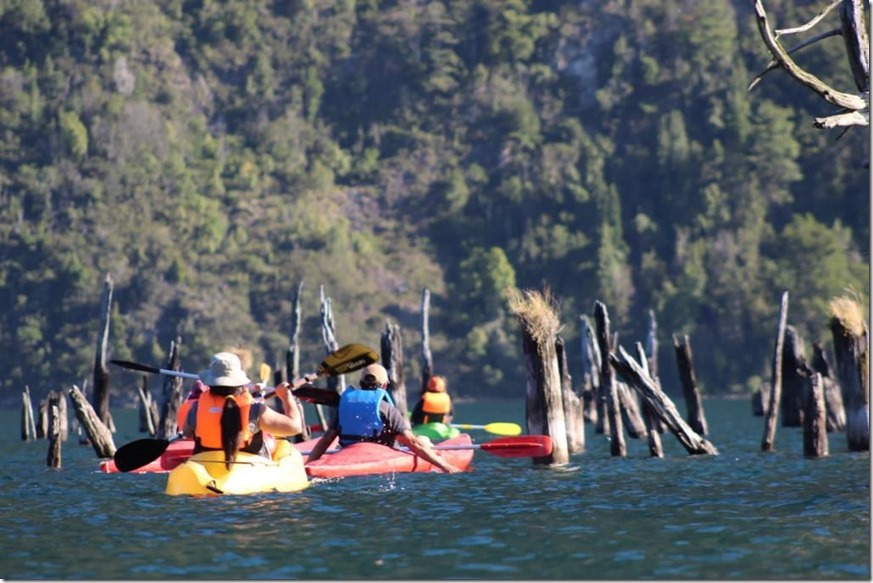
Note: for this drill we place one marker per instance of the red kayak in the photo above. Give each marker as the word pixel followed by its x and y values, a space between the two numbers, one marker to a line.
pixel 361 459
pixel 177 452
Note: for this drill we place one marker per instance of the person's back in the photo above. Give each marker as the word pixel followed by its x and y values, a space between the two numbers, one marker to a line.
pixel 435 404
pixel 369 414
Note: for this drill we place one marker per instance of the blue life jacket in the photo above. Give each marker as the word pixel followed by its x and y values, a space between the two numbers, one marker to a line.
pixel 359 418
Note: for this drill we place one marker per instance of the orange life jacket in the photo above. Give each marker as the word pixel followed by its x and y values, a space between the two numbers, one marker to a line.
pixel 435 406
pixel 208 428
pixel 183 413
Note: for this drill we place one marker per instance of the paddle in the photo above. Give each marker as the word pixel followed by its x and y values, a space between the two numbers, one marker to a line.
pixel 136 454
pixel 522 446
pixel 497 428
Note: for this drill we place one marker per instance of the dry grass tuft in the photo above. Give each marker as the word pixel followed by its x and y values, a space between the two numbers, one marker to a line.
pixel 537 313
pixel 848 311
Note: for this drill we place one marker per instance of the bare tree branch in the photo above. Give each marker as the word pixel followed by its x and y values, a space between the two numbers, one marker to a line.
pixel 855 109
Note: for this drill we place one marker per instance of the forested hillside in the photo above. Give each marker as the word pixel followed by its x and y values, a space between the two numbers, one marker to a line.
pixel 210 155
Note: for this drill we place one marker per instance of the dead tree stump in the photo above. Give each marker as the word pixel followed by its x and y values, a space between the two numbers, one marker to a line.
pixel 573 414
pixel 544 404
pixel 815 435
pixel 292 365
pixel 653 423
pixel 171 395
pixel 391 345
pixel 836 411
pixel 28 425
pixel 100 394
pixel 617 445
pixel 98 434
pixel 849 332
pixel 795 379
pixel 693 402
pixel 662 406
pixel 630 411
pixel 590 374
pixel 53 457
pixel 776 388
pixel 426 356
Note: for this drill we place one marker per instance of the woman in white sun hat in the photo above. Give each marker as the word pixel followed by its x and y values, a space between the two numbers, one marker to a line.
pixel 226 417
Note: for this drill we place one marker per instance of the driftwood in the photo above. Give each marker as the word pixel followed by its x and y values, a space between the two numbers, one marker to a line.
pixel 693 402
pixel 634 375
pixel 391 345
pixel 651 420
pixel 544 404
pixel 53 457
pixel 42 413
pixel 98 434
pixel 573 417
pixel 100 395
pixel 776 387
pixel 815 435
pixel 28 425
pixel 617 446
pixel 854 110
pixel 850 350
pixel 836 412
pixel 426 356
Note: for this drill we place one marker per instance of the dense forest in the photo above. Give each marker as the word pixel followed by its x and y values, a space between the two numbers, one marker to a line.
pixel 211 155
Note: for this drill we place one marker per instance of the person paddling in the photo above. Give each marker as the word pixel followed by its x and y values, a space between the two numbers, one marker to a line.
pixel 368 414
pixel 227 417
pixel 435 404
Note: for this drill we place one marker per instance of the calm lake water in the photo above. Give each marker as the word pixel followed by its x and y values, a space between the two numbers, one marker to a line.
pixel 740 515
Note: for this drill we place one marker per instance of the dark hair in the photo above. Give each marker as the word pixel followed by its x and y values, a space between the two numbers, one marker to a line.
pixel 231 424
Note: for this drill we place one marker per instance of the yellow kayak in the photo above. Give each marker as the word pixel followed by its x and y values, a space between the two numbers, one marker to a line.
pixel 205 474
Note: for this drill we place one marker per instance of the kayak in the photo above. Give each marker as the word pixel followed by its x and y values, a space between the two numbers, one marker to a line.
pixel 176 453
pixel 205 474
pixel 362 459
pixel 436 431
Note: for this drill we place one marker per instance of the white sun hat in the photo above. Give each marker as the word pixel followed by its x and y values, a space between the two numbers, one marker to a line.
pixel 225 370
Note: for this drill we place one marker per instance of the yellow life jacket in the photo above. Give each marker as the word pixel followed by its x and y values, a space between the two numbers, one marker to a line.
pixel 435 406
pixel 208 428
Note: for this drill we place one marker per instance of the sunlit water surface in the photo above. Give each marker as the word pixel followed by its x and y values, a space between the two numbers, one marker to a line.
pixel 740 515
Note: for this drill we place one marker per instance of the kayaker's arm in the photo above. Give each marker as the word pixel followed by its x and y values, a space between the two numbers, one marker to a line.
pixel 287 424
pixel 322 444
pixel 423 450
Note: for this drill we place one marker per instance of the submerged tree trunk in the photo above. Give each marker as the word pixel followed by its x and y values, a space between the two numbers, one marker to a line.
pixel 617 445
pixel 776 388
pixel 391 344
pixel 693 402
pixel 815 435
pixel 98 434
pixel 100 395
pixel 426 356
pixel 574 418
pixel 836 411
pixel 662 406
pixel 852 359
pixel 653 423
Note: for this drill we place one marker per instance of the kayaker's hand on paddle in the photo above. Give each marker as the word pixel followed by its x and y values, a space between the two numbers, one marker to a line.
pixel 424 450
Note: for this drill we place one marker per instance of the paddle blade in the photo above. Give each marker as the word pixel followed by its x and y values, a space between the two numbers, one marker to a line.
pixel 136 454
pixel 497 428
pixel 317 396
pixel 348 358
pixel 265 372
pixel 134 366
pixel 523 446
